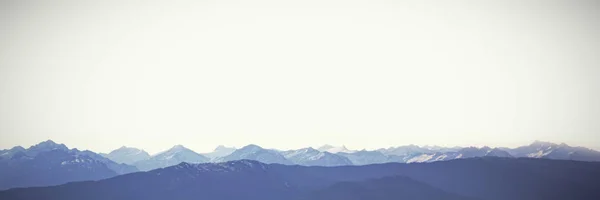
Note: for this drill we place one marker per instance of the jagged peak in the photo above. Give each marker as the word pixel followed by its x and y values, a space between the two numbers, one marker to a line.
pixel 48 144
pixel 17 148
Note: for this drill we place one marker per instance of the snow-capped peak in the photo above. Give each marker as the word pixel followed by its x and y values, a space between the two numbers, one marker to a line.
pixel 178 147
pixel 333 149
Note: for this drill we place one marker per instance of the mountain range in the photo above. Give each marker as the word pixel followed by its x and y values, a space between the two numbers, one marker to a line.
pixel 328 155
pixel 49 163
pixel 549 150
pixel 483 178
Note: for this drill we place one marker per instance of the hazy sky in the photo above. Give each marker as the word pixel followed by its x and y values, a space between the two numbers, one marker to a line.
pixel 294 73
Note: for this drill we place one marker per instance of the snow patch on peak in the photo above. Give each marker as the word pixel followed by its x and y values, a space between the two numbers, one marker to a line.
pixel 178 147
pixel 224 167
pixel 421 158
pixel 333 149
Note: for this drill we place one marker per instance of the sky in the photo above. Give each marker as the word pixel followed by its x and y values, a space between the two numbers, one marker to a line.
pixel 295 73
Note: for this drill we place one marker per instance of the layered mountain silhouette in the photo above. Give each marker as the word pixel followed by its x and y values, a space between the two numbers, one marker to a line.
pixel 328 155
pixel 486 178
pixel 49 163
pixel 34 166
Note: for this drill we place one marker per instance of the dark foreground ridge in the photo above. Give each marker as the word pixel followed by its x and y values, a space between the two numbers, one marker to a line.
pixel 488 178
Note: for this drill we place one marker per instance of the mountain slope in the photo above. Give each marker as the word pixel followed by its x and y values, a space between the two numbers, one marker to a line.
pixel 549 150
pixel 468 152
pixel 49 163
pixel 119 168
pixel 9 153
pixel 365 157
pixel 387 188
pixel 175 155
pixel 51 168
pixel 334 149
pixel 219 152
pixel 405 150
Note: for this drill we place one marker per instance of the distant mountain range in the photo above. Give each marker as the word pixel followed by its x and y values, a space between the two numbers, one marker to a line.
pixel 549 150
pixel 18 165
pixel 485 178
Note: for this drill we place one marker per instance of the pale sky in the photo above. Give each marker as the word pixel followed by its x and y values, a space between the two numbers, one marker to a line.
pixel 295 73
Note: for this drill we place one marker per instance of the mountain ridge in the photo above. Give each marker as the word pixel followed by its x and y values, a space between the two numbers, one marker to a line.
pixel 492 178
pixel 50 163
